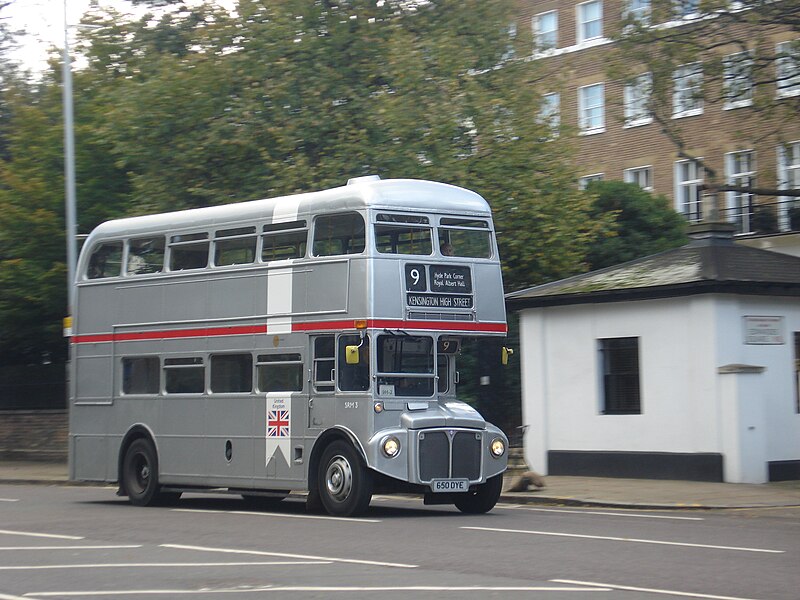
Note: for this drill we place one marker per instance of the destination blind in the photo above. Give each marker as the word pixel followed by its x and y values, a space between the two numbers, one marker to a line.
pixel 437 286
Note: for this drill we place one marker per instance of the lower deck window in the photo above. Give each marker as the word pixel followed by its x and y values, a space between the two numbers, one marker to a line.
pixel 231 373
pixel 619 362
pixel 140 375
pixel 280 372
pixel 184 375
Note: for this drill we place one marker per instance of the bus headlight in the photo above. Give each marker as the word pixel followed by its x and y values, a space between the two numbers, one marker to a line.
pixel 390 446
pixel 498 447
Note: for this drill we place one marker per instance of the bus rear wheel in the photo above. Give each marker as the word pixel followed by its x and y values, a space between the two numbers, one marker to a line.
pixel 344 482
pixel 483 499
pixel 140 475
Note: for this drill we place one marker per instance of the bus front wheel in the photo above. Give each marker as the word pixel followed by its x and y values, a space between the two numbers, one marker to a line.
pixel 344 482
pixel 140 475
pixel 483 499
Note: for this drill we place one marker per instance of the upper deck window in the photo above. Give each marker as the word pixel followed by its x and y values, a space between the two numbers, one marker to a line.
pixel 403 234
pixel 283 241
pixel 106 261
pixel 188 251
pixel 468 238
pixel 235 246
pixel 145 255
pixel 344 233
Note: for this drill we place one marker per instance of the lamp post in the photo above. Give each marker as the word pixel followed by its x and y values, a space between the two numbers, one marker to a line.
pixel 69 166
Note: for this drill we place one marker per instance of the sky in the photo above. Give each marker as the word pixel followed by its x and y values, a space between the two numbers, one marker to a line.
pixel 44 22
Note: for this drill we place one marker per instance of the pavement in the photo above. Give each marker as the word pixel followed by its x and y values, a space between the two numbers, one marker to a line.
pixel 558 490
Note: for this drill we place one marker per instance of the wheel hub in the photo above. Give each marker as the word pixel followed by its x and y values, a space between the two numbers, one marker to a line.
pixel 339 478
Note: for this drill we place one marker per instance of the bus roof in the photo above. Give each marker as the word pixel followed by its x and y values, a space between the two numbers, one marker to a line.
pixel 359 193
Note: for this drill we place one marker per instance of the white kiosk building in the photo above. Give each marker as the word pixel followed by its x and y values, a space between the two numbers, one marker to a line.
pixel 679 365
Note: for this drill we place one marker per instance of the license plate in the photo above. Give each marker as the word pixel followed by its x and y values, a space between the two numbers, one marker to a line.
pixel 450 485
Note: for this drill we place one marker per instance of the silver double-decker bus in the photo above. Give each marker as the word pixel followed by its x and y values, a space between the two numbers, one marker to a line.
pixel 307 342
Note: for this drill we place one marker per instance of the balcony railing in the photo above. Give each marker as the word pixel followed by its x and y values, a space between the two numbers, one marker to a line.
pixel 761 217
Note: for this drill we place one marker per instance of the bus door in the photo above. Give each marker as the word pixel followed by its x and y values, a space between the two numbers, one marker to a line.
pixel 228 419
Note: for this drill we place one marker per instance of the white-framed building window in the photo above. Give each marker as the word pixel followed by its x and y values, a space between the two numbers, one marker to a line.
pixel 638 11
pixel 510 52
pixel 590 20
pixel 591 108
pixel 637 98
pixel 550 112
pixel 686 8
pixel 787 69
pixel 688 179
pixel 641 176
pixel 584 181
pixel 545 31
pixel 788 179
pixel 738 80
pixel 687 96
pixel 740 171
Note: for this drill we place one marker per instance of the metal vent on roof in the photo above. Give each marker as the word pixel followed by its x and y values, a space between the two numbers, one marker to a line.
pixel 364 179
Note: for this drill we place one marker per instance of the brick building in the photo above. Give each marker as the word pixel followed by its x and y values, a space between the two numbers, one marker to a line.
pixel 617 139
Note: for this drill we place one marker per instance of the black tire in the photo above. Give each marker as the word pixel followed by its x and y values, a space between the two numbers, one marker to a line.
pixel 483 499
pixel 343 481
pixel 140 475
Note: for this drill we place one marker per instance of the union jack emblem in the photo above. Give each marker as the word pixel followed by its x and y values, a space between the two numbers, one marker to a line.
pixel 278 423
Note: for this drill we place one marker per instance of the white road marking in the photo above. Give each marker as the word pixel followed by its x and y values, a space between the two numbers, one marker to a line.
pixel 70 547
pixel 9 499
pixel 10 597
pixel 622 539
pixel 287 555
pixel 329 589
pixel 596 512
pixel 272 514
pixel 42 535
pixel 650 590
pixel 159 565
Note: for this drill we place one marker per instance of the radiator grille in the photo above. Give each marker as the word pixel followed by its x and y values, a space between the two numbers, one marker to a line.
pixel 436 450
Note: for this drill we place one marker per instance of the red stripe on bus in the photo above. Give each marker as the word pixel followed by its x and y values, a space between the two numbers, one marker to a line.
pixel 296 327
pixel 169 334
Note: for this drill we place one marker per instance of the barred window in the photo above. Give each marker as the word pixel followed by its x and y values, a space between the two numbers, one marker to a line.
pixel 188 251
pixel 184 375
pixel 235 246
pixel 619 363
pixel 280 372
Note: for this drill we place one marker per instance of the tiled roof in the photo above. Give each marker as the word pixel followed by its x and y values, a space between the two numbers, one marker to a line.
pixel 711 262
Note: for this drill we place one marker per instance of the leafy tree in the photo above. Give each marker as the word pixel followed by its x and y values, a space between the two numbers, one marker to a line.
pixel 642 224
pixel 730 43
pixel 195 107
pixel 293 95
pixel 33 275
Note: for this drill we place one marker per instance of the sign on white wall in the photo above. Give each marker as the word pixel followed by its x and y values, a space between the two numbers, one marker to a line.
pixel 764 330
